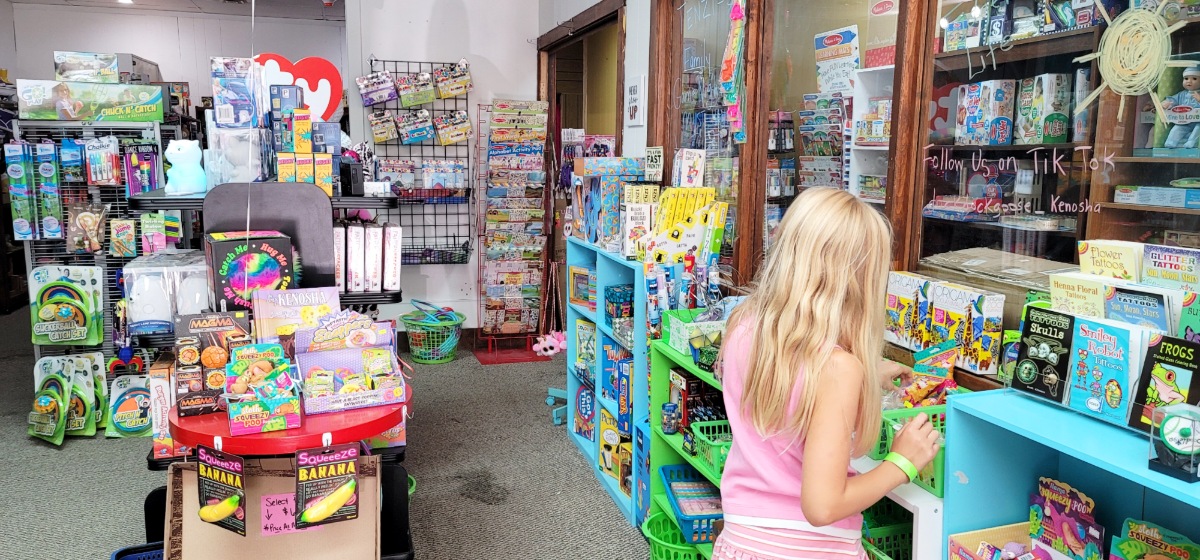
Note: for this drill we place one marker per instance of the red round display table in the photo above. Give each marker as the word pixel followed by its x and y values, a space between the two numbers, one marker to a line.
pixel 343 427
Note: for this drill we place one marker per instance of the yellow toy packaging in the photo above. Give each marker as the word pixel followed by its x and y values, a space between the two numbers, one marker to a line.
pixel 973 319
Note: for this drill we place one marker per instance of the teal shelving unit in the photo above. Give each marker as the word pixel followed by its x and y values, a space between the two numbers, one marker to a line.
pixel 611 270
pixel 1004 440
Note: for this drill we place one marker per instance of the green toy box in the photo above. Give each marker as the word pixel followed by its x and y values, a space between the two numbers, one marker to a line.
pixel 49 100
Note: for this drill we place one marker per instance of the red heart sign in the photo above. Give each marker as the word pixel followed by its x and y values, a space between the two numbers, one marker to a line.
pixel 319 78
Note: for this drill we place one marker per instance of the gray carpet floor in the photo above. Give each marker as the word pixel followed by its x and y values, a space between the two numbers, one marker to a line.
pixel 495 478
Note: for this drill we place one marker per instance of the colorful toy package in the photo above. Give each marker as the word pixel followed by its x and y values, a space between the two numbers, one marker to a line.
pixel 1043 358
pixel 97 68
pixel 278 314
pixel 221 489
pixel 350 364
pixel 453 127
pixel 202 347
pixel 909 318
pixel 50 205
pixel 972 318
pixel 162 398
pixel 326 485
pixel 1142 540
pixel 1170 375
pixel 18 162
pixel 415 89
pixel 81 403
pixel 1062 522
pixel 67 305
pixel 237 99
pixel 1043 103
pixel 50 100
pixel 52 378
pixel 129 407
pixel 376 87
pixel 1171 267
pixel 1104 354
pixel 454 79
pixel 260 393
pixel 243 262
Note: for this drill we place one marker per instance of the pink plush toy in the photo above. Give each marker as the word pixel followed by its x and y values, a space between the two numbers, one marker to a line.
pixel 550 344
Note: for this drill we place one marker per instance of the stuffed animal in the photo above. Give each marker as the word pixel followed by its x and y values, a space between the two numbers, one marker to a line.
pixel 185 175
pixel 550 344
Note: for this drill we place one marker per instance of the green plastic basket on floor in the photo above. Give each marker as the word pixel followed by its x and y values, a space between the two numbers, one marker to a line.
pixel 412 487
pixel 891 542
pixel 433 332
pixel 666 541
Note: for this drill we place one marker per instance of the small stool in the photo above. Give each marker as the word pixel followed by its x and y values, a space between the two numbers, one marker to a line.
pixel 559 414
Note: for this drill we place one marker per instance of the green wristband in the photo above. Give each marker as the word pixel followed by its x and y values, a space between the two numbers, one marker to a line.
pixel 904 464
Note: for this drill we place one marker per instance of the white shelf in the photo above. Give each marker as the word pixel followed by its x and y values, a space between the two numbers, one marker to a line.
pixel 925 507
pixel 877 69
pixel 870 148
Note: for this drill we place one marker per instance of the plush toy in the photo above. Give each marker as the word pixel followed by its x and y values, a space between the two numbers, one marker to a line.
pixel 550 344
pixel 185 175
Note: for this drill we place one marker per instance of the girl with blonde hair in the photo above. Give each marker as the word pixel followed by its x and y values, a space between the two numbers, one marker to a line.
pixel 803 380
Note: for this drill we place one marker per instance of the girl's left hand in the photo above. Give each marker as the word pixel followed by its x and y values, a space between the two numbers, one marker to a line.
pixel 890 371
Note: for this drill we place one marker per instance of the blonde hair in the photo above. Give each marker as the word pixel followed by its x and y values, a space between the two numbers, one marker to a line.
pixel 823 285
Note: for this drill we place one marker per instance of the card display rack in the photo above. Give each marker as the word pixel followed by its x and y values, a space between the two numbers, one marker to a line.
pixel 54 251
pixel 512 238
pixel 437 223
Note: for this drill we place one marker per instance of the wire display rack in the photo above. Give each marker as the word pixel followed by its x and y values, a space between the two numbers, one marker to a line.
pixel 437 223
pixel 512 263
pixel 54 252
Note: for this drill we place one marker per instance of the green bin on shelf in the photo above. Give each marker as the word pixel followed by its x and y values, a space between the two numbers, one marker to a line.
pixel 666 540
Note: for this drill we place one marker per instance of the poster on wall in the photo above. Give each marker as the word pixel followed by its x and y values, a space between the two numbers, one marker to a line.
pixel 837 59
pixel 319 78
pixel 635 102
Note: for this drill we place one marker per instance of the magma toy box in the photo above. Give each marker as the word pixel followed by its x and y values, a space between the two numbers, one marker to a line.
pixel 48 100
pixel 243 262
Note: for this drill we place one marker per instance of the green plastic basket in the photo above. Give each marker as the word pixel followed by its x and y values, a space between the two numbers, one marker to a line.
pixel 713 440
pixel 931 478
pixel 891 542
pixel 433 333
pixel 666 540
pixel 412 487
pixel 885 513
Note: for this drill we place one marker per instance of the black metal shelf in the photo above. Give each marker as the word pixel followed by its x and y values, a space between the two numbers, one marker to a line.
pixel 159 341
pixel 371 298
pixel 365 202
pixel 157 201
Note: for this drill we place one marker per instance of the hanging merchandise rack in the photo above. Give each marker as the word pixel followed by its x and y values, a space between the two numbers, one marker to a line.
pixel 513 222
pixel 437 222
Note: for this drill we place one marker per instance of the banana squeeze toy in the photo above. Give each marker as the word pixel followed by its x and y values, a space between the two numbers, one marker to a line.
pixel 220 510
pixel 328 505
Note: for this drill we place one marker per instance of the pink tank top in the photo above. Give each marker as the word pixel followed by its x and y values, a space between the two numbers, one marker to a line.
pixel 761 484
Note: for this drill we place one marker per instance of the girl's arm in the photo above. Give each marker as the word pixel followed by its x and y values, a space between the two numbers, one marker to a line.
pixel 829 493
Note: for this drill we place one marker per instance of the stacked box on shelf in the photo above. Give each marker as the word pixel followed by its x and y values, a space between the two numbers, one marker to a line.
pixel 514 240
pixel 596 200
pixel 820 141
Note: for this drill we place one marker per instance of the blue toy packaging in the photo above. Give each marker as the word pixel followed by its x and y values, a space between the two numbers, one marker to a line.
pixel 236 93
pixel 18 162
pixel 49 198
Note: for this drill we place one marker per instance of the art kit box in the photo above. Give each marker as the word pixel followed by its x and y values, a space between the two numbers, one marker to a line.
pixel 1177 268
pixel 202 347
pixel 1112 259
pixel 260 393
pixel 1105 357
pixel 50 100
pixel 909 313
pixel 278 314
pixel 241 263
pixel 96 68
pixel 985 113
pixel 973 318
pixel 1043 106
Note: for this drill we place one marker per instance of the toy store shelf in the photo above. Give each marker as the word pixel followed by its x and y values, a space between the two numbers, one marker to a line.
pixel 1033 48
pixel 998 226
pixel 1147 208
pixel 875 69
pixel 619 259
pixel 1069 147
pixel 676 443
pixel 869 148
pixel 1120 451
pixel 910 496
pixel 608 404
pixel 587 448
pixel 158 200
pixel 371 298
pixel 581 243
pixel 608 331
pixel 587 313
pixel 161 340
pixel 705 549
pixel 364 202
pixel 685 362
pixel 610 484
pixel 343 427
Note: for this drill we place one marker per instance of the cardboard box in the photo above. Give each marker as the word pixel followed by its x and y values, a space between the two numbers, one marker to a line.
pixel 241 262
pixel 304 168
pixel 96 68
pixel 162 398
pixel 1172 197
pixel 973 317
pixel 323 172
pixel 269 482
pixel 985 113
pixel 302 131
pixel 285 99
pixel 909 315
pixel 285 167
pixel 1043 106
pixel 49 100
pixel 202 346
pixel 327 138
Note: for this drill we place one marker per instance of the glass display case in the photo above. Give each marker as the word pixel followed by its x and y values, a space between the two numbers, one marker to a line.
pixel 830 100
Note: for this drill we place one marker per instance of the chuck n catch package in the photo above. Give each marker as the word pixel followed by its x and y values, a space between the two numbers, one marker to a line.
pixel 129 407
pixel 67 305
pixel 326 485
pixel 52 378
pixel 260 392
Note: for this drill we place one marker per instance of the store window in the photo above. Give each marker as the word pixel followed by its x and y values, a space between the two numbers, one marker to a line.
pixel 705 98
pixel 831 84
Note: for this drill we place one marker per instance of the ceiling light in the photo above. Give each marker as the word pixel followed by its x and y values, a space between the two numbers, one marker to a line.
pixel 124 1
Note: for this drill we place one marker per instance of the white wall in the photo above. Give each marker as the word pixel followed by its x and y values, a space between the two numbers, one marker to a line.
pixel 8 38
pixel 497 37
pixel 180 43
pixel 553 12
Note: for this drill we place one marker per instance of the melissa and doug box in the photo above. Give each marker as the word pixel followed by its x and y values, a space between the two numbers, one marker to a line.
pixel 243 262
pixel 985 113
pixel 260 392
pixel 202 347
pixel 972 318
pixel 1043 106
pixel 909 313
